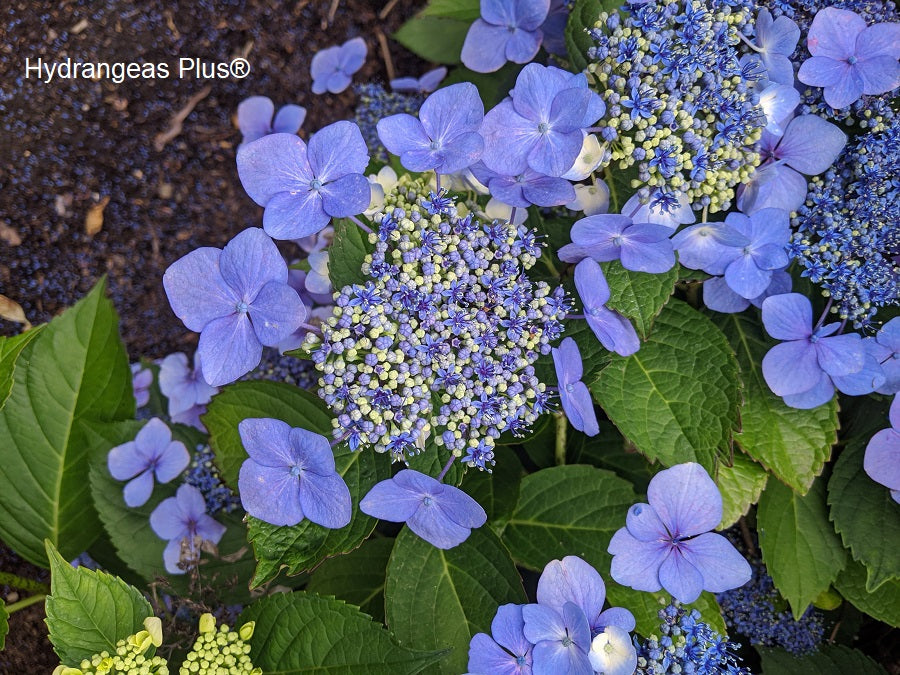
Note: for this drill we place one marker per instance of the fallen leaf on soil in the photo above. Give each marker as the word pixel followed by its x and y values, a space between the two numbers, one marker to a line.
pixel 93 222
pixel 12 311
pixel 9 235
pixel 178 119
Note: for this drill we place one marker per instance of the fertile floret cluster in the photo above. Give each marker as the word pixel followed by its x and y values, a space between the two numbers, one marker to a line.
pixel 846 236
pixel 686 645
pixel 130 656
pixel 204 476
pixel 376 103
pixel 680 105
pixel 443 336
pixel 220 651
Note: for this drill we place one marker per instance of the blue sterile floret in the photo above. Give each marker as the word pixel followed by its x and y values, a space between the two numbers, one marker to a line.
pixel 442 338
pixel 680 107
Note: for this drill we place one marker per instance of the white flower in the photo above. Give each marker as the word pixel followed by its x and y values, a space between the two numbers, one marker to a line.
pixel 497 210
pixel 317 281
pixel 592 199
pixel 381 183
pixel 612 652
pixel 588 159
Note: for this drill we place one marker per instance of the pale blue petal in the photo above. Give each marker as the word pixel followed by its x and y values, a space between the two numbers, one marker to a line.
pixel 461 152
pixel 572 580
pixel 791 368
pixel 879 75
pixel 486 657
pixel 325 500
pixel 196 290
pixel 172 556
pixel 507 627
pixel 548 191
pixel 810 144
pixel 432 523
pixel 745 278
pixel 644 524
pixel 788 316
pixel 523 45
pixel 554 153
pixel 275 163
pixel 289 119
pixel 292 216
pixel 484 49
pixel 271 494
pixel 267 441
pixel 868 379
pixel 613 330
pixel 718 296
pixel 254 116
pixel 250 261
pixel 126 461
pixel 173 461
pixel 313 451
pixel 882 458
pixel 229 349
pixel 841 354
pixel 337 150
pixel 389 501
pixel 461 508
pixel 686 499
pixel 452 111
pixel 167 519
pixel 636 563
pixel 401 133
pixel 347 196
pixel 833 33
pixel 138 490
pixel 591 284
pixel 276 312
pixel 718 561
pixel 680 578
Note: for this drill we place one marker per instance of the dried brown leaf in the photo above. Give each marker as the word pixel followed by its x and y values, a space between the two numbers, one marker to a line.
pixel 93 222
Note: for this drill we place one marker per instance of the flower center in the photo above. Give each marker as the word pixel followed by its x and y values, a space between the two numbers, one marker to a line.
pixel 241 307
pixel 567 641
pixel 315 184
pixel 570 388
pixel 435 145
pixel 427 501
pixel 543 128
pixel 520 660
pixel 295 471
pixel 852 60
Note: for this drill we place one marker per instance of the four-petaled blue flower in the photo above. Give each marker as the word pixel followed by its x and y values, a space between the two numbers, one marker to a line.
pixel 508 30
pixel 748 268
pixel 186 390
pixel 151 452
pixel 573 393
pixel 302 187
pixel 440 514
pixel 850 59
pixel 445 137
pixel 254 116
pixel 181 520
pixel 561 639
pixel 290 475
pixel 668 544
pixel 886 349
pixel 506 651
pixel 529 187
pixel 238 299
pixel 423 85
pixel 333 68
pixel 882 459
pixel 614 331
pixel 776 40
pixel 640 247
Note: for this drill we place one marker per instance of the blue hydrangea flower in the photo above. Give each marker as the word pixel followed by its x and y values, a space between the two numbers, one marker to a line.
pixel 850 59
pixel 506 651
pixel 882 459
pixel 659 211
pixel 302 187
pixel 706 246
pixel 444 137
pixel 508 30
pixel 614 331
pixel 529 187
pixel 141 381
pixel 332 68
pixel 573 393
pixel 561 640
pixel 442 515
pixel 290 475
pixel 612 652
pixel 237 298
pixel 185 389
pixel 541 125
pixel 802 370
pixel 182 521
pixel 254 116
pixel 152 452
pixel 778 102
pixel 554 27
pixel 668 544
pixel 776 40
pixel 641 247
pixel 420 85
pixel 887 350
pixel 748 270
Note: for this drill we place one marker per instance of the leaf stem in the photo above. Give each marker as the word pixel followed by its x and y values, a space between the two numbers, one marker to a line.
pixel 25 602
pixel 561 427
pixel 23 584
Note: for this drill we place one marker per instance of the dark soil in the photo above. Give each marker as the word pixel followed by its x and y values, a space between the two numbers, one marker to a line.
pixel 70 145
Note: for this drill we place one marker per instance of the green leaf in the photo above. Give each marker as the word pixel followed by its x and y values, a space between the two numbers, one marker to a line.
pixel 357 577
pixel 793 444
pixel 88 612
pixel 498 491
pixel 259 398
pixel 432 460
pixel 10 348
pixel 139 547
pixel 567 510
pixel 303 633
pixel 883 604
pixel 434 38
pixel 740 485
pixel 865 516
pixel 348 251
pixel 619 181
pixel 583 16
pixel 638 296
pixel 464 10
pixel 645 607
pixel 492 87
pixel 677 398
pixel 607 450
pixel 800 548
pixel 73 375
pixel 4 625
pixel 440 598
pixel 830 660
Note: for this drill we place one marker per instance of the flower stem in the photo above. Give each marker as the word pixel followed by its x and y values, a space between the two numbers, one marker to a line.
pixel 512 215
pixel 561 428
pixel 360 224
pixel 310 328
pixel 25 602
pixel 437 183
pixel 824 314
pixel 23 584
pixel 446 468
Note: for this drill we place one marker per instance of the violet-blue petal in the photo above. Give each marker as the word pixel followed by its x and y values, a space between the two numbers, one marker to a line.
pixel 778 101
pixel 486 657
pixel 275 163
pixel 572 580
pixel 250 261
pixel 791 367
pixel 833 33
pixel 269 493
pixel 614 331
pixel 567 360
pixel 507 629
pixel 389 501
pixel 644 524
pixel 196 290
pixel 788 316
pixel 821 71
pixel 548 191
pixel 401 133
pixel 460 153
pixel 172 556
pixel 643 252
pixel 172 462
pixel 314 451
pixel 291 216
pixel 451 111
pixel 267 441
pixel 276 312
pixel 649 212
pixel 484 49
pixel 229 349
pixel 718 296
pixel 882 458
pixel 614 616
pixel 745 278
pixel 636 563
pixel 125 461
pixel 289 119
pixel 138 490
pixel 432 523
pixel 591 284
pixel 680 578
pixel 686 499
pixel 337 150
pixel 346 196
pixel 718 561
pixel 866 380
pixel 523 45
pixel 708 246
pixel 841 354
pixel 579 407
pixel 597 234
pixel 554 153
pixel 461 508
pixel 325 500
pixel 819 394
pixel 166 520
pixel 773 186
pixel 254 116
pixel 353 55
pixel 810 144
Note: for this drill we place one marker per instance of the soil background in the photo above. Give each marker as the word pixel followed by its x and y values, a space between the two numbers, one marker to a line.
pixel 69 146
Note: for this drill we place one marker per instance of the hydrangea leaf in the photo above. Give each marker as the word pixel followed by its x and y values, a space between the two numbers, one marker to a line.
pixel 567 510
pixel 242 400
pixel 883 604
pixel 492 87
pixel 4 625
pixel 740 484
pixel 138 546
pixel 88 611
pixel 434 38
pixel 356 577
pixel 638 296
pixel 10 348
pixel 645 607
pixel 800 548
pixel 830 660
pixel 865 516
pixel 620 187
pixel 793 444
pixel 463 10
pixel 301 632
pixel 436 598
pixel 677 398
pixel 348 251
pixel 72 375
pixel 583 16
pixel 498 491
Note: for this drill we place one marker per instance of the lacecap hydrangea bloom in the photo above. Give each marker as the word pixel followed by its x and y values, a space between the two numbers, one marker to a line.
pixel 507 30
pixel 441 338
pixel 183 522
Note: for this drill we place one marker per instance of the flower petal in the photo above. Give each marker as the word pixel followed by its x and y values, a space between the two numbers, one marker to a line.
pixel 173 461
pixel 389 501
pixel 833 33
pixel 841 354
pixel 292 216
pixel 196 290
pixel 614 331
pixel 720 563
pixel 254 116
pixel 680 578
pixel 788 316
pixel 126 461
pixel 313 451
pixel 401 133
pixel 810 144
pixel 346 196
pixel 271 494
pixel 325 500
pixel 686 499
pixel 138 490
pixel 507 627
pixel 644 524
pixel 791 368
pixel 275 163
pixel 486 657
pixel 167 519
pixel 452 111
pixel 250 261
pixel 745 278
pixel 276 312
pixel 718 296
pixel 433 524
pixel 229 349
pixel 523 45
pixel 338 150
pixel 882 459
pixel 289 119
pixel 572 580
pixel 484 49
pixel 819 394
pixel 636 563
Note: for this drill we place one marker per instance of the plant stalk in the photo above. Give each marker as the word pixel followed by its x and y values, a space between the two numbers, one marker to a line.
pixel 23 584
pixel 25 602
pixel 561 428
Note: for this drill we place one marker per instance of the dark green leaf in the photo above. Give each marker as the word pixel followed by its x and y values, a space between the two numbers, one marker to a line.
pixel 497 492
pixel 740 485
pixel 357 577
pixel 793 444
pixel 10 348
pixel 830 660
pixel 434 38
pixel 677 398
pixel 645 607
pixel 348 252
pixel 638 296
pixel 436 599
pixel 88 612
pixel 800 548
pixel 4 625
pixel 607 450
pixel 300 632
pixel 583 16
pixel 567 510
pixel 882 604
pixel 621 185
pixel 73 375
pixel 492 87
pixel 464 10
